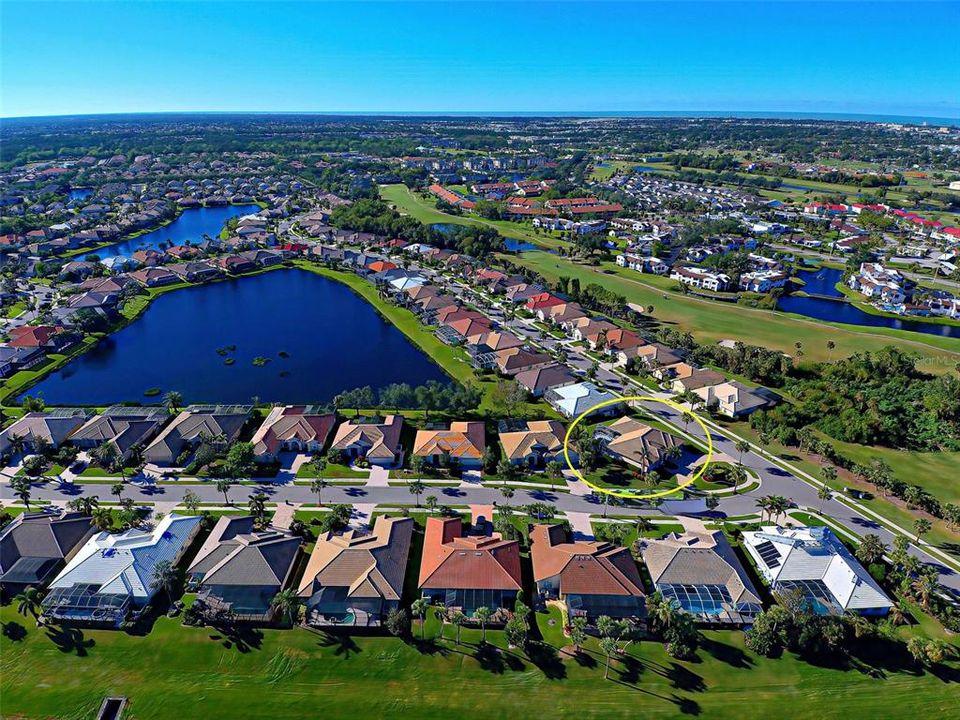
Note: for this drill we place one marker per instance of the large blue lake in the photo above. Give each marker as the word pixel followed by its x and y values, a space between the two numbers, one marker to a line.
pixel 822 281
pixel 189 226
pixel 334 341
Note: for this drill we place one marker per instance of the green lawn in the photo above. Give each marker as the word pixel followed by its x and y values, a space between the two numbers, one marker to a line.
pixel 332 470
pixel 711 321
pixel 175 671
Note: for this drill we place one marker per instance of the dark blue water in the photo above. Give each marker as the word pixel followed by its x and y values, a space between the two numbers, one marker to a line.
pixel 822 282
pixel 518 245
pixel 80 193
pixel 335 341
pixel 191 225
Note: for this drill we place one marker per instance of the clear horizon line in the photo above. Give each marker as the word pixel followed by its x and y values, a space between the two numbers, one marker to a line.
pixel 671 113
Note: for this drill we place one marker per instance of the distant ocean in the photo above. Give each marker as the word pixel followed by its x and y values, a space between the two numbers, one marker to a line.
pixel 713 114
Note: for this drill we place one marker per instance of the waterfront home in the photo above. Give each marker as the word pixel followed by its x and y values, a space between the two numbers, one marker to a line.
pixel 463 443
pixel 378 442
pixel 112 575
pixel 34 546
pixel 469 571
pixel 38 428
pixel 515 360
pixel 123 428
pixel 732 399
pixel 538 443
pixel 636 443
pixel 483 348
pixel 700 573
pixel 814 561
pixel 238 570
pixel 539 379
pixel 591 578
pixel 762 281
pixel 262 258
pixel 235 264
pixel 357 578
pixel 15 359
pixel 572 400
pixel 292 428
pixel 880 283
pixel 155 277
pixel 195 271
pixel 217 425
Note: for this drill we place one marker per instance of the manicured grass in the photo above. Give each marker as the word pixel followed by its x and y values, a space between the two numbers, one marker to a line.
pixel 407 202
pixel 332 470
pixel 173 671
pixel 711 321
pixel 13 309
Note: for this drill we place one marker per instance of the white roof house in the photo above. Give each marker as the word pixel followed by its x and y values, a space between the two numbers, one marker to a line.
pixel 813 560
pixel 571 400
pixel 111 573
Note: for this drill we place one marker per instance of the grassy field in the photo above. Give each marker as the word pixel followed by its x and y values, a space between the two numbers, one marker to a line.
pixel 179 672
pixel 405 201
pixel 711 321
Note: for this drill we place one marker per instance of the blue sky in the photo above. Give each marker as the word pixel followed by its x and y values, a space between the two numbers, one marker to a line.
pixel 848 57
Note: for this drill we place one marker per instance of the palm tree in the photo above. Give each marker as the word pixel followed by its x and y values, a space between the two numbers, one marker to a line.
pixel 482 615
pixel 739 477
pixel 441 615
pixel 223 486
pixel 643 525
pixel 763 504
pixel 823 494
pixel 458 620
pixel 17 445
pixel 21 489
pixel 578 632
pixel 507 492
pixel 173 400
pixel 257 503
pixel 102 518
pixel 27 601
pixel 419 608
pixel 317 485
pixel 921 526
pixel 870 549
pixel 660 610
pixel 609 647
pixel 85 504
pixel 117 489
pixel 165 576
pixel 924 585
pixel 416 488
pixel 286 603
pixel 741 446
pixel 431 502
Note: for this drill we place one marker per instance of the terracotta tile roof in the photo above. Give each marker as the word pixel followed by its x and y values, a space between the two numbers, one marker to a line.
pixel 585 567
pixel 451 561
pixel 291 423
pixel 462 440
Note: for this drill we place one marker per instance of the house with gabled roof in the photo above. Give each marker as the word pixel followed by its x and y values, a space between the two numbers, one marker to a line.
pixel 217 425
pixel 538 380
pixel 590 577
pixel 538 443
pixel 35 546
pixel 636 443
pixel 238 569
pixel 122 427
pixel 378 442
pixel 468 571
pixel 52 427
pixel 573 400
pixel 699 572
pixel 814 562
pixel 463 443
pixel 292 428
pixel 356 578
pixel 113 575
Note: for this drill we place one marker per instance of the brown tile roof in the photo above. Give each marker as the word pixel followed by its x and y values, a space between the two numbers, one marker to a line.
pixel 462 440
pixel 634 439
pixel 585 567
pixel 547 433
pixel 382 439
pixel 451 561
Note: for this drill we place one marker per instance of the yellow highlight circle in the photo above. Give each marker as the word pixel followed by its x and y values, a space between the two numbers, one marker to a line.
pixel 629 493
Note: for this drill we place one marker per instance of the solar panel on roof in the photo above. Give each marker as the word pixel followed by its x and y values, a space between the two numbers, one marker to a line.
pixel 768 553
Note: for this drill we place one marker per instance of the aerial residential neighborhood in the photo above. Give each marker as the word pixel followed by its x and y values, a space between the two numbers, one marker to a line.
pixel 383 359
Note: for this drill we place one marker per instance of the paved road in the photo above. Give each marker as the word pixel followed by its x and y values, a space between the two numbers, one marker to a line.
pixel 774 479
